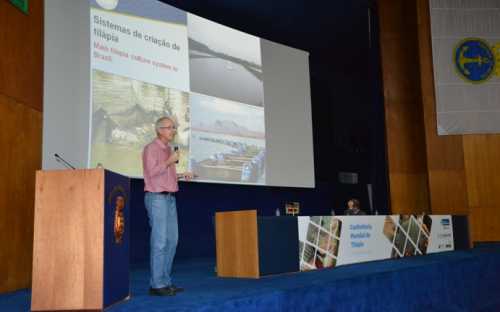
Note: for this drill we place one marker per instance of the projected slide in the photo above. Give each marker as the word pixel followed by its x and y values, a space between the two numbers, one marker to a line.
pixel 124 113
pixel 227 140
pixel 144 42
pixel 224 62
pixel 148 60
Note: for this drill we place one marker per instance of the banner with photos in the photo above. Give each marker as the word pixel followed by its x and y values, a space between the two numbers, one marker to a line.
pixel 328 241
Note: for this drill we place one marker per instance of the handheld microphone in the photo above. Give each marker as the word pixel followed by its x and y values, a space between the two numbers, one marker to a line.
pixel 64 162
pixel 176 148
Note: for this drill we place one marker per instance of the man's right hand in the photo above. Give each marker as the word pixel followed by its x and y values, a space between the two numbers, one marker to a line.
pixel 174 157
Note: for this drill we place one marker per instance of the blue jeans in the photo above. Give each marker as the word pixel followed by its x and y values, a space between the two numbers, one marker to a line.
pixel 162 213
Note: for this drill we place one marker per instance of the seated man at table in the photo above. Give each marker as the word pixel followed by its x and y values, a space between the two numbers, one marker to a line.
pixel 353 208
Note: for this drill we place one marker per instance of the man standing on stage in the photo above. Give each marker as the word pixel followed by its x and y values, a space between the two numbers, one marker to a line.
pixel 160 186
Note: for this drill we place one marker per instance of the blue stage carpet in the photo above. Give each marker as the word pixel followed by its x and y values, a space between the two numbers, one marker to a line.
pixel 454 281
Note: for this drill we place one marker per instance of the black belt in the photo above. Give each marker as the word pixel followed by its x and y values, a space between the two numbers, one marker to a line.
pixel 162 193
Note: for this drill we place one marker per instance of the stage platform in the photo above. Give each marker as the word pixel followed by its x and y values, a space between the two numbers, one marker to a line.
pixel 453 281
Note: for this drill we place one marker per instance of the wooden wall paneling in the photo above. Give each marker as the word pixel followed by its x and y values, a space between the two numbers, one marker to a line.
pixel 21 51
pixel 482 163
pixel 405 194
pixel 445 160
pixel 402 96
pixel 21 85
pixel 20 147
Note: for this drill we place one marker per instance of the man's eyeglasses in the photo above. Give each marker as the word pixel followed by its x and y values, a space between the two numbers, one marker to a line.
pixel 169 128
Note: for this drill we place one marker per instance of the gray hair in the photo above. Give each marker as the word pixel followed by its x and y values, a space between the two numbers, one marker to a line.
pixel 159 122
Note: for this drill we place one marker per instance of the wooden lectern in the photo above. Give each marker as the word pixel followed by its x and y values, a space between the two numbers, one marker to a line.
pixel 81 240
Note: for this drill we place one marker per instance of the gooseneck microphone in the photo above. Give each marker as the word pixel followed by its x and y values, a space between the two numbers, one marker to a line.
pixel 62 161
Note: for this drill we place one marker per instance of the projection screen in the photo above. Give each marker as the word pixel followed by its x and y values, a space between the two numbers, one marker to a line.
pixel 241 103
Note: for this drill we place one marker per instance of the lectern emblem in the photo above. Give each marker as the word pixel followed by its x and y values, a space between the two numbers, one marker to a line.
pixel 117 200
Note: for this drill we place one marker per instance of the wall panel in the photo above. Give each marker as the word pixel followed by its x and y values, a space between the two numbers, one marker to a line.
pixel 403 109
pixel 20 147
pixel 482 169
pixel 21 67
pixel 21 51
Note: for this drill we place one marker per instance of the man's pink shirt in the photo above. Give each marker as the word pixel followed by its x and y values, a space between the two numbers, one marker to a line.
pixel 157 176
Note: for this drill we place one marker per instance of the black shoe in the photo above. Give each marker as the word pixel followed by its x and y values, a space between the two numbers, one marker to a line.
pixel 164 291
pixel 175 289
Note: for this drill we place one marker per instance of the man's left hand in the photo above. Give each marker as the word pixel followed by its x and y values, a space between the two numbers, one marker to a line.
pixel 188 176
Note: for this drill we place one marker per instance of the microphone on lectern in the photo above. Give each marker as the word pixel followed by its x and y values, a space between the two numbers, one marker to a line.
pixel 63 161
